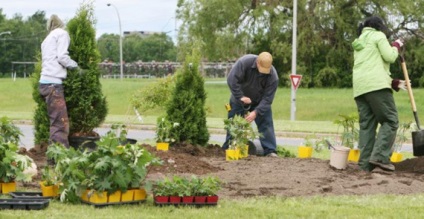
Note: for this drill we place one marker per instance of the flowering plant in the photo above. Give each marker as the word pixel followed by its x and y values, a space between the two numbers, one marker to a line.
pixel 163 130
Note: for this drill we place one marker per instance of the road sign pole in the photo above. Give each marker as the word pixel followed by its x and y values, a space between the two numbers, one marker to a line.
pixel 294 49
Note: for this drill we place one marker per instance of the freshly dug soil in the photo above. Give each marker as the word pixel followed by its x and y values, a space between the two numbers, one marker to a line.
pixel 267 176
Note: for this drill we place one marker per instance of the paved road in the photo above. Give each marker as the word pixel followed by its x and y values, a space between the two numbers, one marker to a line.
pixel 27 140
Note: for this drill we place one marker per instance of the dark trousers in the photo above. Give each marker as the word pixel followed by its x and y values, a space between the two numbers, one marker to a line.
pixel 264 123
pixel 377 107
pixel 57 112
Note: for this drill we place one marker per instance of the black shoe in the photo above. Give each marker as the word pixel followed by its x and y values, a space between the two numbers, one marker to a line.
pixel 384 166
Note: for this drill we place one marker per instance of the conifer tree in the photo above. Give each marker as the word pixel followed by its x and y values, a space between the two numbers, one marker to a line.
pixel 187 104
pixel 86 103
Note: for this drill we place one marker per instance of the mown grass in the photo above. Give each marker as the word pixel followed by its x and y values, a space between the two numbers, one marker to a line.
pixel 376 206
pixel 316 109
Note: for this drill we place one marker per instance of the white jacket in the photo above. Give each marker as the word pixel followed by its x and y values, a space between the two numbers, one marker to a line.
pixel 55 56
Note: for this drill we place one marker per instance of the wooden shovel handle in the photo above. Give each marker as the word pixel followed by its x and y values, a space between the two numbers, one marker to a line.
pixel 408 84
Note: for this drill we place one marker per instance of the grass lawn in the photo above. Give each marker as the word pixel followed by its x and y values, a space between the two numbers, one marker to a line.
pixel 316 109
pixel 377 206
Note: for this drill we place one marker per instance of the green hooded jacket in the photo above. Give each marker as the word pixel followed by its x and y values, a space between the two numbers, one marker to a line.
pixel 372 57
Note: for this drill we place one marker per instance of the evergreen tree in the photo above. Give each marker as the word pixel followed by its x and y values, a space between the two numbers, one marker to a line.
pixel 41 119
pixel 86 103
pixel 84 99
pixel 187 105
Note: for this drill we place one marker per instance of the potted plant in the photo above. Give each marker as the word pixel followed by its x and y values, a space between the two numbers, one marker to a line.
pixel 104 174
pixel 350 134
pixel 305 150
pixel 401 138
pixel 211 186
pixel 49 184
pixel 162 190
pixel 12 164
pixel 241 132
pixel 163 133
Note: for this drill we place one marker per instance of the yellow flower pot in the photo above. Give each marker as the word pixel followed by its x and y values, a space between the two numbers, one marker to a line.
pixel 98 198
pixel 139 194
pixel 49 191
pixel 396 157
pixel 162 146
pixel 353 155
pixel 244 150
pixel 114 197
pixel 304 152
pixel 232 154
pixel 84 195
pixel 8 187
pixel 127 196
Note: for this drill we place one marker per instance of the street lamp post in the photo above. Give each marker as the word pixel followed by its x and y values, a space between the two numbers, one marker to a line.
pixel 120 41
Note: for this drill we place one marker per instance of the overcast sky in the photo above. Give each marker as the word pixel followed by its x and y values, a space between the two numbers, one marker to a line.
pixel 136 15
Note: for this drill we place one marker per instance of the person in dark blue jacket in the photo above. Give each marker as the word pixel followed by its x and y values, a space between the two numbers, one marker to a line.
pixel 253 82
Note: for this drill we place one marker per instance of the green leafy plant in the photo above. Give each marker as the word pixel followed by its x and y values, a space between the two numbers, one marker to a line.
pixel 350 133
pixel 163 130
pixel 241 131
pixel 163 187
pixel 211 185
pixel 9 131
pixel 12 164
pixel 401 136
pixel 283 152
pixel 48 176
pixel 112 166
pixel 155 95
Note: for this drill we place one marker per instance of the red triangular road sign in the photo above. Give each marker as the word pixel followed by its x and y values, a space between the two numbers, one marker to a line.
pixel 295 79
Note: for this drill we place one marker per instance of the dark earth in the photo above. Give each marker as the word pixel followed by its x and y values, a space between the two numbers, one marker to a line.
pixel 267 176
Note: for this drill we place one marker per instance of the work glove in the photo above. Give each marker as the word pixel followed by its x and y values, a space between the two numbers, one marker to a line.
pixel 398 84
pixel 398 44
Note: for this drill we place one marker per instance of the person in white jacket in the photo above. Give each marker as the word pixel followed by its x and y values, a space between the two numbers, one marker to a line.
pixel 55 62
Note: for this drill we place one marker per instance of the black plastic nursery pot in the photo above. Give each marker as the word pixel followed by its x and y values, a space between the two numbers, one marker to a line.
pixel 83 142
pixel 24 204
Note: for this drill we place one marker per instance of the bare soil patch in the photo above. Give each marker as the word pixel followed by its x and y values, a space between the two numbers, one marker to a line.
pixel 285 177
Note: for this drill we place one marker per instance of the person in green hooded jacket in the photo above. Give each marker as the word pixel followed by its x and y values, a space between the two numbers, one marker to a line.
pixel 372 89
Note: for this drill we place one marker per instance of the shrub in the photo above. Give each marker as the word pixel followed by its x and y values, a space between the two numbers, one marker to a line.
pixel 187 105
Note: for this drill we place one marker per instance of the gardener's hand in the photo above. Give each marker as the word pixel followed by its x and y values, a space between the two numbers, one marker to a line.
pixel 398 84
pixel 398 44
pixel 246 100
pixel 251 116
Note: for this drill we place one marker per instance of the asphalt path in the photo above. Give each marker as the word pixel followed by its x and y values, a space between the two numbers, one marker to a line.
pixel 27 140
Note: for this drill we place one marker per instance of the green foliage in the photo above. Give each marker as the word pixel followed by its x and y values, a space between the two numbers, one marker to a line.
pixel 41 118
pixel 112 166
pixel 187 105
pixel 401 136
pixel 9 131
pixel 163 130
pixel 183 186
pixel 154 95
pixel 87 107
pixel 350 133
pixel 241 131
pixel 48 176
pixel 12 164
pixel 283 152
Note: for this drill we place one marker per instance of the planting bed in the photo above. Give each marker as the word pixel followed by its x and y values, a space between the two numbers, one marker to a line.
pixel 285 177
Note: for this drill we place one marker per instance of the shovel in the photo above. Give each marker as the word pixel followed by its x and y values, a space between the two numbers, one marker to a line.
pixel 417 136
